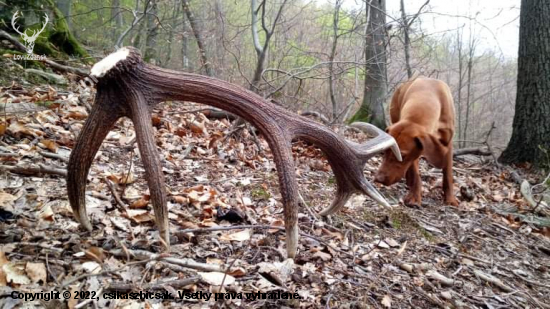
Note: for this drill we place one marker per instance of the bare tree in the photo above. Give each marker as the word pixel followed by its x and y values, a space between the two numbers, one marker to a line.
pixel 335 22
pixel 116 16
pixel 197 31
pixel 375 87
pixel 152 32
pixel 262 49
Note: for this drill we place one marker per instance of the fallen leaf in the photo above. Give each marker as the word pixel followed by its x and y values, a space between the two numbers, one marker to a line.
pixel 322 255
pixel 36 272
pixel 386 301
pixel 216 278
pixel 139 215
pixel 51 145
pixel 15 273
pixel 3 261
pixel 239 236
pixel 91 267
pixel 141 203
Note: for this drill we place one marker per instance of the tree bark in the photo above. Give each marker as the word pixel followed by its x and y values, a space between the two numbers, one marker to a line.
pixel 261 50
pixel 335 21
pixel 116 15
pixel 197 31
pixel 152 31
pixel 460 82
pixel 65 7
pixel 407 40
pixel 375 88
pixel 530 140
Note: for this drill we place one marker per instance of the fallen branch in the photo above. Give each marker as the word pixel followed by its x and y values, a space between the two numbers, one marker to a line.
pixel 159 285
pixel 52 155
pixel 30 170
pixel 492 279
pixel 120 203
pixel 478 151
pixel 434 275
pixel 184 262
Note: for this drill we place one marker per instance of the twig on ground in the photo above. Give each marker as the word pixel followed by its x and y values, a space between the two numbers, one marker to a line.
pixel 113 190
pixel 30 170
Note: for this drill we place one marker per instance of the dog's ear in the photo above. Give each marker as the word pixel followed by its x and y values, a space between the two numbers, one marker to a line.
pixel 433 149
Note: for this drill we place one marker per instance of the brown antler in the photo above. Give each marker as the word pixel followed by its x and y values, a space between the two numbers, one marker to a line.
pixel 128 87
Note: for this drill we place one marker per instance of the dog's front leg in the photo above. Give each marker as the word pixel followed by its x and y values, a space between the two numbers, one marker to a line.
pixel 414 197
pixel 448 189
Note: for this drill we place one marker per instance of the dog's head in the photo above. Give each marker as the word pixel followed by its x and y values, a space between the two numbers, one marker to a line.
pixel 413 142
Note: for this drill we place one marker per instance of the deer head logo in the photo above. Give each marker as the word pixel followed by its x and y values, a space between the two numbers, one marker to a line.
pixel 29 39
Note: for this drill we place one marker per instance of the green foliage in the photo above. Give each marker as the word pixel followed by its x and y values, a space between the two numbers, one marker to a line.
pixel 62 37
pixel 54 39
pixel 364 114
pixel 260 194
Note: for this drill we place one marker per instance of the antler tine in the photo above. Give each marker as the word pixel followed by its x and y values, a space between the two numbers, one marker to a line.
pixel 13 24
pixel 381 142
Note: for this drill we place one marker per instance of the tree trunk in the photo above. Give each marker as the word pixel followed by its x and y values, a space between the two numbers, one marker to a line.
pixel 407 40
pixel 375 90
pixel 152 31
pixel 116 15
pixel 197 31
pixel 171 37
pixel 460 83
pixel 530 140
pixel 468 92
pixel 65 7
pixel 186 64
pixel 261 50
pixel 336 19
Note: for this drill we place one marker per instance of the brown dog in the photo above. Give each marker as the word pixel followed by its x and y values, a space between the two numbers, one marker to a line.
pixel 422 115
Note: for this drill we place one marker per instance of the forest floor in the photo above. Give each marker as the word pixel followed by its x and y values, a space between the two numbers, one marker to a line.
pixel 492 251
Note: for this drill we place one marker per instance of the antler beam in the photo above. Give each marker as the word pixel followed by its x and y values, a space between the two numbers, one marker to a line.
pixel 128 87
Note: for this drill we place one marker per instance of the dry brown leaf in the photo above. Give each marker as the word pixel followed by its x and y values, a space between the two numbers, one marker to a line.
pixel 3 261
pixel 36 272
pixel 51 145
pixel 46 212
pixel 141 203
pixel 386 301
pixel 139 215
pixel 6 199
pixel 216 278
pixel 180 199
pixel 95 253
pixel 73 301
pixel 239 236
pixel 15 273
pixel 323 256
pixel 18 128
pixel 197 127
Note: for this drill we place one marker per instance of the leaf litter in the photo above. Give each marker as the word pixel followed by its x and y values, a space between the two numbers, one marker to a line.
pixel 227 226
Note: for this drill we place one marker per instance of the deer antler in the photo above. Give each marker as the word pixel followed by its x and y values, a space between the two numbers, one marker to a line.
pixel 13 21
pixel 128 87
